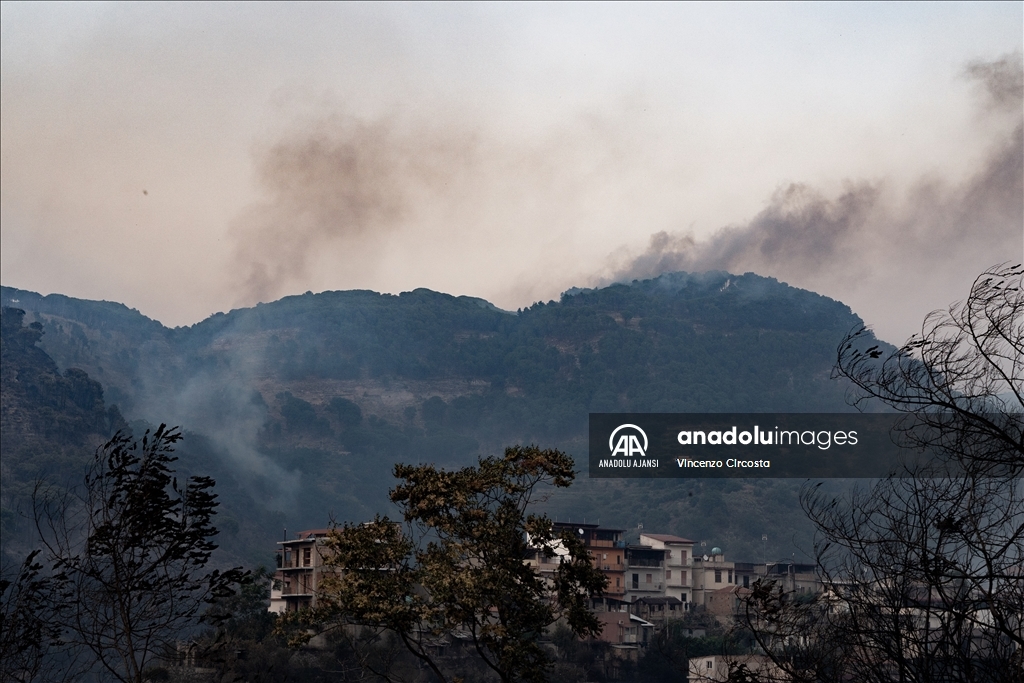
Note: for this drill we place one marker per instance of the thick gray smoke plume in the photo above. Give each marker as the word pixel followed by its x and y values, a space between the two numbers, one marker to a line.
pixel 345 180
pixel 872 241
pixel 342 193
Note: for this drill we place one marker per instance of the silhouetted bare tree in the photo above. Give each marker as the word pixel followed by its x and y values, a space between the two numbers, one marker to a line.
pixel 924 570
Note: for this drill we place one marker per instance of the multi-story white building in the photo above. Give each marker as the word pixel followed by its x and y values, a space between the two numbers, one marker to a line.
pixel 678 563
pixel 645 572
pixel 711 572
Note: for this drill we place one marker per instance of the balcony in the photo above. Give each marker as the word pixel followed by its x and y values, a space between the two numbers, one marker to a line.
pixel 634 562
pixel 654 587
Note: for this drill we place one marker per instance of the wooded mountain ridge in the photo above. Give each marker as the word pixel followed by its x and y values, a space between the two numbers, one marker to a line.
pixel 300 407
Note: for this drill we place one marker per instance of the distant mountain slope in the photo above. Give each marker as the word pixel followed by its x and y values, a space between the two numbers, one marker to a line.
pixel 316 396
pixel 678 342
pixel 52 422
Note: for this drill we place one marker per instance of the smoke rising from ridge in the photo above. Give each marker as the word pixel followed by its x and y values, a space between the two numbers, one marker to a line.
pixel 872 241
pixel 349 199
pixel 345 180
pixel 356 192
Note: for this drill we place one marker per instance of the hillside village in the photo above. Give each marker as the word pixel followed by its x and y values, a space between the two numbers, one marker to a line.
pixel 663 577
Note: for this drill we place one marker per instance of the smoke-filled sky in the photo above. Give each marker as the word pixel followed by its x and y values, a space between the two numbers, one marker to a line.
pixel 190 158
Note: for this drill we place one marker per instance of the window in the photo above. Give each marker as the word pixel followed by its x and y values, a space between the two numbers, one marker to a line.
pixel 668 554
pixel 668 574
pixel 605 556
pixel 617 583
pixel 683 597
pixel 682 556
pixel 306 556
pixel 618 559
pixel 718 576
pixel 746 582
pixel 650 579
pixel 730 576
pixel 636 580
pixel 711 664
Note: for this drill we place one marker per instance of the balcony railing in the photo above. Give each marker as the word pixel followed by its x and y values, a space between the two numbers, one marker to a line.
pixel 646 587
pixel 633 562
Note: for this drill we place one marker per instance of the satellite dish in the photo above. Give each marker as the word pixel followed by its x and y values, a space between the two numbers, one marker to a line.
pixel 706 558
pixel 581 532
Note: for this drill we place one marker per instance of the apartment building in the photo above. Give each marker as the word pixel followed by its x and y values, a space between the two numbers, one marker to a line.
pixel 607 552
pixel 794 576
pixel 717 668
pixel 711 572
pixel 300 568
pixel 625 631
pixel 727 604
pixel 658 609
pixel 678 563
pixel 645 572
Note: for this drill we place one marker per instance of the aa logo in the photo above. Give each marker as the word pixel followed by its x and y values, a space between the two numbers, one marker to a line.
pixel 628 442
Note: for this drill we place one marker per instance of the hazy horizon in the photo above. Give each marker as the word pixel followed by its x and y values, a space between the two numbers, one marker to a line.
pixel 190 159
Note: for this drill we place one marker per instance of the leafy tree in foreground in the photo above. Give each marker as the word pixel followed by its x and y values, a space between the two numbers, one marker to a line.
pixel 30 633
pixel 130 552
pixel 456 567
pixel 924 568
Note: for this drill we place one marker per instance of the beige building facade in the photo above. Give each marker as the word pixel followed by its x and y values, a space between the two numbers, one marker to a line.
pixel 300 568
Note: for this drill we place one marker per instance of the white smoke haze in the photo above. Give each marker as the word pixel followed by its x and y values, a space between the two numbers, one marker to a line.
pixel 361 195
pixel 184 159
pixel 917 247
pixel 357 195
pixel 218 402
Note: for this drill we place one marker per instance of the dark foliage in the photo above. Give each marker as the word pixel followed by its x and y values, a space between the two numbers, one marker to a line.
pixel 130 552
pixel 30 631
pixel 457 569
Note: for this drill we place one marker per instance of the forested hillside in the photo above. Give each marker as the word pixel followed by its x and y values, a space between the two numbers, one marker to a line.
pixel 304 404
